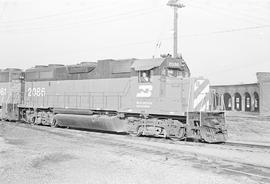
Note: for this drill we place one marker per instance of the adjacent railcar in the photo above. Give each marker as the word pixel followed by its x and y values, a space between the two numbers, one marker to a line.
pixel 145 97
pixel 11 86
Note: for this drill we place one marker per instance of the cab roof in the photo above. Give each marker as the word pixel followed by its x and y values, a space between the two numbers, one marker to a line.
pixel 147 64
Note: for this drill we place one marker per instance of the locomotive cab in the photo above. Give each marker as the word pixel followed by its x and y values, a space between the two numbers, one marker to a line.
pixel 176 68
pixel 169 67
pixel 156 86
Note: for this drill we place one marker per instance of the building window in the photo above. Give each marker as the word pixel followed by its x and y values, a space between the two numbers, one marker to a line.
pixel 248 102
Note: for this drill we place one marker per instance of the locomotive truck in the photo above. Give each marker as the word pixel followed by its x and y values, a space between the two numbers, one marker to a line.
pixel 155 97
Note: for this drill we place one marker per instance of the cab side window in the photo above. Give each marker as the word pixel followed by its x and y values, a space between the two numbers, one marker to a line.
pixel 144 76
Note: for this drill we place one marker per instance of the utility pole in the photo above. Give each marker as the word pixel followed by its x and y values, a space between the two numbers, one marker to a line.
pixel 175 4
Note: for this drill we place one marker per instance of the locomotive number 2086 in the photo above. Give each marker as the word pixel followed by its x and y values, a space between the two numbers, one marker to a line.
pixel 36 91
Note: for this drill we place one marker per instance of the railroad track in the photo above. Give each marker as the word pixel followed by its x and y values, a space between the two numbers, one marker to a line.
pixel 258 173
pixel 176 141
pixel 249 145
pixel 231 144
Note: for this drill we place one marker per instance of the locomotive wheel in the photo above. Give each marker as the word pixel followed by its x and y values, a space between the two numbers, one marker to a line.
pixel 181 133
pixel 54 123
pixel 32 120
pixel 208 134
pixel 139 131
pixel 165 135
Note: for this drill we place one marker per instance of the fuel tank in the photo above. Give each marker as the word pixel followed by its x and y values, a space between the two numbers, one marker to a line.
pixel 92 122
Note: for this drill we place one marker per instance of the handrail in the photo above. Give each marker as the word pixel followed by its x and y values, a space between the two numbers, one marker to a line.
pixel 87 100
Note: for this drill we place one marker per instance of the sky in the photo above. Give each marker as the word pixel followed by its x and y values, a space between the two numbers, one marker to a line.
pixel 226 41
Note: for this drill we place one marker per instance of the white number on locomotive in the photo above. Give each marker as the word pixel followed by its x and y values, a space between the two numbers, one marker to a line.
pixel 36 92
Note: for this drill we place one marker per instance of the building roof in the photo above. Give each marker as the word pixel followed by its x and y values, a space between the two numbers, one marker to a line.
pixel 234 85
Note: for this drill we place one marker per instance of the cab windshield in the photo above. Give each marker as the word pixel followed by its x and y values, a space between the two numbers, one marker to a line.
pixel 173 72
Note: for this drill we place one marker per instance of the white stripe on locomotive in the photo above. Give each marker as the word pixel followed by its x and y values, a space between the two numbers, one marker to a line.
pixel 201 91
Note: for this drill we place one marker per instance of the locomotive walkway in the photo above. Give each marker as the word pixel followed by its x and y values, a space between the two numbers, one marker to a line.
pixel 38 154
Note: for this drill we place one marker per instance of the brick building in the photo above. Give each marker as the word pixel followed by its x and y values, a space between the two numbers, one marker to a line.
pixel 254 97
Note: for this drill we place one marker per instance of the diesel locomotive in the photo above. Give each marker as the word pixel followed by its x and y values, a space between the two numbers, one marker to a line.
pixel 155 97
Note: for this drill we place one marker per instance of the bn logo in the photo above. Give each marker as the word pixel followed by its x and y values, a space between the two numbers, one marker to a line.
pixel 145 91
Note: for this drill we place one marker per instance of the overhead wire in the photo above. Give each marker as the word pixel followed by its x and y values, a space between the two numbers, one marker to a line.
pixel 153 41
pixel 54 15
pixel 220 32
pixel 89 20
pixel 137 13
pixel 74 23
pixel 246 16
pixel 182 36
pixel 232 3
pixel 228 30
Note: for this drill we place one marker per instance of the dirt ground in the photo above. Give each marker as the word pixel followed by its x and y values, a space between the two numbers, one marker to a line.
pixel 38 154
pixel 248 127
